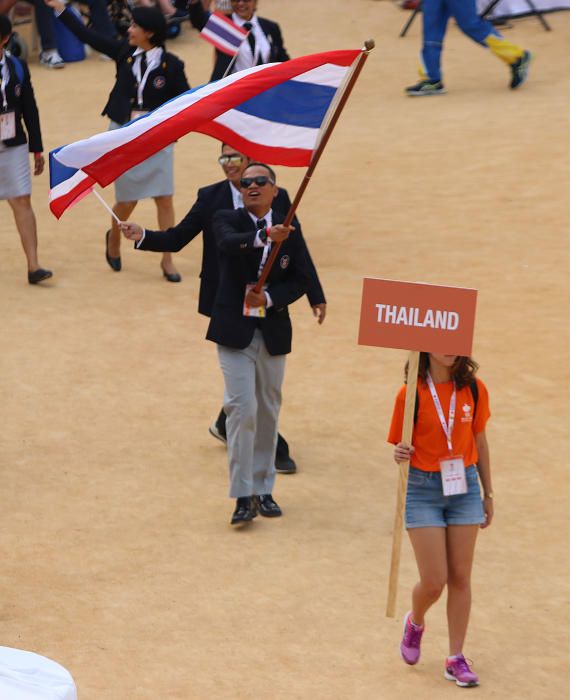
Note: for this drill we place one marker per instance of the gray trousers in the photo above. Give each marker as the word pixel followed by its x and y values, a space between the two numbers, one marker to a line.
pixel 252 400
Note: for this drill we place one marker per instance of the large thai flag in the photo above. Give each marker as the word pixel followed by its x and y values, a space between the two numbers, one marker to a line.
pixel 67 186
pixel 272 113
pixel 224 34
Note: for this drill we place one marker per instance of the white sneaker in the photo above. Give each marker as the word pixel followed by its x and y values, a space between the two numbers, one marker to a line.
pixel 52 59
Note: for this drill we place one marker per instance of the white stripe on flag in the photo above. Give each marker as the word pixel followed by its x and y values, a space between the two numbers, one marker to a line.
pixel 66 186
pixel 328 75
pixel 268 133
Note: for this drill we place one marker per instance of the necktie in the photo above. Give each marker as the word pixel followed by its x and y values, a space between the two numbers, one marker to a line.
pixel 143 65
pixel 250 38
pixel 261 226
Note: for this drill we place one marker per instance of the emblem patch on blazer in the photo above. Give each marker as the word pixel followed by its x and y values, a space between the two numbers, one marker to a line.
pixel 18 90
pixel 284 262
pixel 159 82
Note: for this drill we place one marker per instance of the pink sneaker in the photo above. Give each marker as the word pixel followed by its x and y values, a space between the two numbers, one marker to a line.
pixel 457 669
pixel 410 645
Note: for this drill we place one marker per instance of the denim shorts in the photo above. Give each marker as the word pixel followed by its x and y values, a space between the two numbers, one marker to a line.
pixel 426 506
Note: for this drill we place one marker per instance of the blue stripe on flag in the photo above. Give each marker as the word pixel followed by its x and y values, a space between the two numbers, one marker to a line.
pixel 293 102
pixel 58 172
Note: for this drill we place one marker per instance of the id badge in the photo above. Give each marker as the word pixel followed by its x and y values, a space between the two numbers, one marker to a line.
pixel 254 311
pixel 7 125
pixel 136 113
pixel 453 478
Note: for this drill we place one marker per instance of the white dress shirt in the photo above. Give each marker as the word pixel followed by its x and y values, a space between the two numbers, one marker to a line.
pixel 258 243
pixel 245 58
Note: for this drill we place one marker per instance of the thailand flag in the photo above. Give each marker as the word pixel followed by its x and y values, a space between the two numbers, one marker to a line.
pixel 272 113
pixel 67 186
pixel 220 31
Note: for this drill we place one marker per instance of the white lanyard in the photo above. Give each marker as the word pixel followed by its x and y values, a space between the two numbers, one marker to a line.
pixel 5 76
pixel 141 80
pixel 447 426
pixel 266 249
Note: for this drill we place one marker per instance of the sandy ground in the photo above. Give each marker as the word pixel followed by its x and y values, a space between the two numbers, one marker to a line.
pixel 118 560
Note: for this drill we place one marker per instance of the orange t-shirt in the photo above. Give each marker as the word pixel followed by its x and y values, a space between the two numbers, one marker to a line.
pixel 428 437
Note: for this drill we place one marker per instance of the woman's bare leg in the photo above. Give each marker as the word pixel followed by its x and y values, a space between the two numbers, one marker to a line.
pixel 460 551
pixel 27 228
pixel 430 549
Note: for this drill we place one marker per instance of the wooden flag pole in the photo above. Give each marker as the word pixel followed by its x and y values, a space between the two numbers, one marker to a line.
pixel 326 134
pixel 408 427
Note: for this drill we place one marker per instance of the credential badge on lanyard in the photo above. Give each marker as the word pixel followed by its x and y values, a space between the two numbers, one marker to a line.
pixel 7 117
pixel 453 478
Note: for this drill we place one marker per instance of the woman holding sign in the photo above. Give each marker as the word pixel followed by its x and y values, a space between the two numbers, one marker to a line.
pixel 444 509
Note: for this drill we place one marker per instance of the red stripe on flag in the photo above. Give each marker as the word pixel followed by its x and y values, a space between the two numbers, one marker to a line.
pixel 272 155
pixel 60 204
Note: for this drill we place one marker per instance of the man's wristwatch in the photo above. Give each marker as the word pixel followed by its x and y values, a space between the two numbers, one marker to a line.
pixel 489 494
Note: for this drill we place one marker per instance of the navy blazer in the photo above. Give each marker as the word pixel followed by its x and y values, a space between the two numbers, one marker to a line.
pixel 20 98
pixel 211 199
pixel 166 81
pixel 199 16
pixel 239 265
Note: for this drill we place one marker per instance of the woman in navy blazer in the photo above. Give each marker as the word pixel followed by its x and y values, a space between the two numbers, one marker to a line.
pixel 147 76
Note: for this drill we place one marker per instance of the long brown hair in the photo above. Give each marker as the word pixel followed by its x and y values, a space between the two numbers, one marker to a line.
pixel 462 372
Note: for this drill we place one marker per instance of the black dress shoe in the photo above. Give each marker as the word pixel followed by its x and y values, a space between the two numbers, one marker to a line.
pixel 39 275
pixel 267 506
pixel 246 510
pixel 114 263
pixel 171 276
pixel 284 464
pixel 218 428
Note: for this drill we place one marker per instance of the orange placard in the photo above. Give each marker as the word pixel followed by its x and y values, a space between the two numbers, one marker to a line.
pixel 414 316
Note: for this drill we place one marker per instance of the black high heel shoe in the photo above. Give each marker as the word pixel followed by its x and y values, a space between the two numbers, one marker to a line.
pixel 171 276
pixel 39 275
pixel 114 263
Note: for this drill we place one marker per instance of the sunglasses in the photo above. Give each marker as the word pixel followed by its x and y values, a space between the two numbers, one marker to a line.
pixel 259 180
pixel 233 159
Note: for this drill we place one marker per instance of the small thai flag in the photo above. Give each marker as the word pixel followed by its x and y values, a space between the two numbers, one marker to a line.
pixel 220 31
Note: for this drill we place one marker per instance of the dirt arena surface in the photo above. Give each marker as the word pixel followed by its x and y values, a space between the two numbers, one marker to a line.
pixel 117 555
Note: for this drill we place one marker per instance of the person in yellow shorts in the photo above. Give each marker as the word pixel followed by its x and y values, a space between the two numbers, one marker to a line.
pixel 436 14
